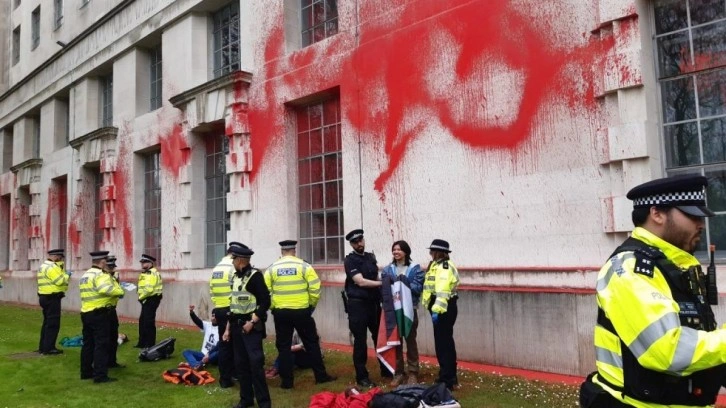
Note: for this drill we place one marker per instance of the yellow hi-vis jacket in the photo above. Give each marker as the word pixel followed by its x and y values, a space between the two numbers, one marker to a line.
pixel 440 284
pixel 293 284
pixel 220 285
pixel 149 284
pixel 97 290
pixel 52 278
pixel 242 301
pixel 646 318
pixel 114 280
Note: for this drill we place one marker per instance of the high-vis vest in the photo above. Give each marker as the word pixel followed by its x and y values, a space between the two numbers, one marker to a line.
pixel 655 341
pixel 149 284
pixel 51 279
pixel 97 290
pixel 293 284
pixel 440 285
pixel 220 285
pixel 242 301
pixel 114 280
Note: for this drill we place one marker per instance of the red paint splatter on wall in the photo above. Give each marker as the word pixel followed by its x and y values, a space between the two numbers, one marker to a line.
pixel 398 63
pixel 52 207
pixel 121 182
pixel 174 150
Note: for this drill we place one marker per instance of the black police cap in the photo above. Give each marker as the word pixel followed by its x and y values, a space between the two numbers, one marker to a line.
pixel 288 244
pixel 439 245
pixel 240 252
pixel 96 255
pixel 60 252
pixel 685 192
pixel 147 258
pixel 354 235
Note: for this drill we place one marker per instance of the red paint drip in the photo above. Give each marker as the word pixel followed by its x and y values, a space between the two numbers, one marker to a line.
pixel 121 182
pixel 481 31
pixel 174 150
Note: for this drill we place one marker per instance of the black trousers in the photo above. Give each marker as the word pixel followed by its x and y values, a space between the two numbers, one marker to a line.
pixel 51 305
pixel 249 361
pixel 286 321
pixel 445 346
pixel 226 356
pixel 112 337
pixel 364 316
pixel 94 353
pixel 147 321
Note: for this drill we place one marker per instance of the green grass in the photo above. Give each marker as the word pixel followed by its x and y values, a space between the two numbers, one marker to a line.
pixel 30 380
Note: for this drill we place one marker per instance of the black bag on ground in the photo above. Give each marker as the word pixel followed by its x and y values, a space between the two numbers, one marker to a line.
pixel 436 394
pixel 164 349
pixel 405 396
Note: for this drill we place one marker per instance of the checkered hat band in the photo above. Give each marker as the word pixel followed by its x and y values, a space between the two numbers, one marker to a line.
pixel 354 237
pixel 438 247
pixel 288 247
pixel 679 198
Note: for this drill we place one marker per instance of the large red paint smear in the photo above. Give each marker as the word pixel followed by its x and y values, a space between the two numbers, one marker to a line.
pixel 387 74
pixel 174 150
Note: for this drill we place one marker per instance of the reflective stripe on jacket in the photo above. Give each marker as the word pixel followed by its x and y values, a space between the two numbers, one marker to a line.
pixel 293 284
pixel 440 284
pixel 220 285
pixel 149 284
pixel 639 304
pixel 97 290
pixel 51 279
pixel 242 301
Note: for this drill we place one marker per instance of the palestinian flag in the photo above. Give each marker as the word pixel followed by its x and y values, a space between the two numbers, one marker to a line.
pixel 403 305
pixel 388 335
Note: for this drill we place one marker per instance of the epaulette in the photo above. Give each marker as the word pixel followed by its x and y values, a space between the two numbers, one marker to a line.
pixel 645 257
pixel 446 264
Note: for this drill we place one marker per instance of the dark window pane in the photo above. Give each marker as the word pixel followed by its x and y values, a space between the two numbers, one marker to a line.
pixel 331 9
pixel 331 195
pixel 318 33
pixel 306 14
pixel 703 11
pixel 319 250
pixel 303 144
pixel 318 225
pixel 330 112
pixel 682 144
pixel 303 172
pixel 316 116
pixel 307 38
pixel 332 224
pixel 331 28
pixel 333 251
pixel 716 194
pixel 709 46
pixel 670 15
pixel 679 99
pixel 717 231
pixel 305 198
pixel 330 139
pixel 331 167
pixel 301 118
pixel 674 54
pixel 318 13
pixel 712 93
pixel 316 169
pixel 316 141
pixel 316 196
pixel 306 250
pixel 713 133
pixel 306 226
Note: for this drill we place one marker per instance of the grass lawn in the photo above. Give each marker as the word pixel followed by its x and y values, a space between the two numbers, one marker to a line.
pixel 30 380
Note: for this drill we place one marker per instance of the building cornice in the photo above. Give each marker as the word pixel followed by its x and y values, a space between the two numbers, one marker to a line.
pixel 104 132
pixel 179 100
pixel 27 163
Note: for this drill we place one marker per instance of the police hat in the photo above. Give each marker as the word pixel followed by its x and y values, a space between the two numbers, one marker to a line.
pixel 97 255
pixel 686 192
pixel 287 244
pixel 60 252
pixel 439 245
pixel 354 235
pixel 147 258
pixel 238 251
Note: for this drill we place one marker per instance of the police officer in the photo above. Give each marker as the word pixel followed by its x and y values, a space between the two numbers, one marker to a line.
pixel 97 293
pixel 150 293
pixel 113 315
pixel 220 292
pixel 362 288
pixel 295 290
pixel 246 328
pixel 656 342
pixel 52 286
pixel 439 297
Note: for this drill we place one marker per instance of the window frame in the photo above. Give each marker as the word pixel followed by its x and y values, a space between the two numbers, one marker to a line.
pixel 309 27
pixel 57 14
pixel 16 45
pixel 155 78
pixel 225 29
pixel 106 100
pixel 215 156
pixel 317 207
pixel 62 197
pixel 152 214
pixel 98 207
pixel 35 28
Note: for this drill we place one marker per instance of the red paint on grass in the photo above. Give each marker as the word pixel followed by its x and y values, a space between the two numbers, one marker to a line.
pixel 174 150
pixel 389 73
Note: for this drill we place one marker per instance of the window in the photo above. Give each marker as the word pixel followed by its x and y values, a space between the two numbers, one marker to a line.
pixel 152 206
pixel 319 20
pixel 36 137
pixel 57 13
pixel 35 28
pixel 691 62
pixel 16 45
pixel 226 39
pixel 217 187
pixel 98 208
pixel 155 80
pixel 62 197
pixel 107 100
pixel 320 187
pixel 84 3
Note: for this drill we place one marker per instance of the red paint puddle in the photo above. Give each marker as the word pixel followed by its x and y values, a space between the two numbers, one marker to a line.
pixel 387 75
pixel 174 150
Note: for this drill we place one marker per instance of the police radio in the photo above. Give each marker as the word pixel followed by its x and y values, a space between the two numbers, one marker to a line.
pixel 712 291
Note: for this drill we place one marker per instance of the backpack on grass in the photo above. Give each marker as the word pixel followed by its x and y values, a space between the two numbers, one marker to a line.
pixel 164 349
pixel 185 374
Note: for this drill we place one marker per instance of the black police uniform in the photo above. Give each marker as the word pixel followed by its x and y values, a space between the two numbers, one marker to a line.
pixel 364 309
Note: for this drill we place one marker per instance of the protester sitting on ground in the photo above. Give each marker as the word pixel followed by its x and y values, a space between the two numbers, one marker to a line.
pixel 210 348
pixel 300 358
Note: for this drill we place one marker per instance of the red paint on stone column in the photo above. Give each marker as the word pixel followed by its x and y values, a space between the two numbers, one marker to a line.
pixel 174 150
